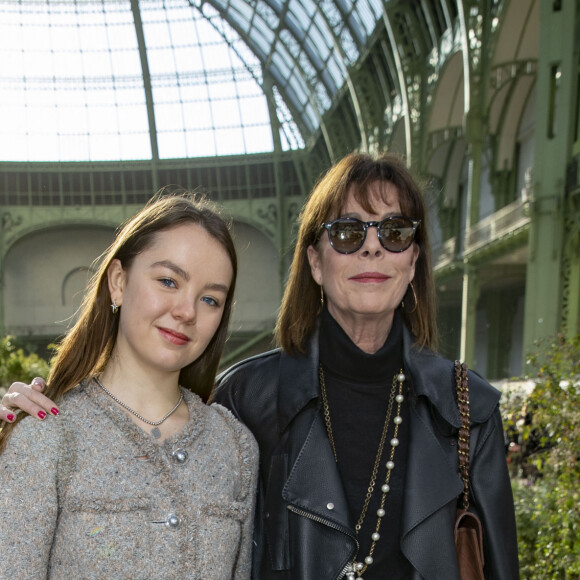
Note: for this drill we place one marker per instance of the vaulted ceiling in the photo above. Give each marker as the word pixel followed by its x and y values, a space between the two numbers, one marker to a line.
pixel 139 79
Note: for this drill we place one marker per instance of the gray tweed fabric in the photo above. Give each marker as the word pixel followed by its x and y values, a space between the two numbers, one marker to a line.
pixel 88 494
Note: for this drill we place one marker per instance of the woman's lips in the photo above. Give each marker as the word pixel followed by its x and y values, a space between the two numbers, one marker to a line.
pixel 173 336
pixel 370 277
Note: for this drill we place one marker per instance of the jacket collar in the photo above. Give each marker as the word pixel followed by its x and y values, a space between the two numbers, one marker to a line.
pixel 299 380
pixel 428 372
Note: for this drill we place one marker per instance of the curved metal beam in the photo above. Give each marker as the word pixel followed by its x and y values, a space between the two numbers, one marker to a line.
pixel 278 80
pixel 463 32
pixel 402 84
pixel 350 85
pixel 146 80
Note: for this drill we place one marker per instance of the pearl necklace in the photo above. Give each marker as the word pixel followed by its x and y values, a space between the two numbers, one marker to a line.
pixel 357 569
pixel 155 432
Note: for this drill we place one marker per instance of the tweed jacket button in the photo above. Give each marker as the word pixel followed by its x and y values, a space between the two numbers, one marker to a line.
pixel 180 455
pixel 173 521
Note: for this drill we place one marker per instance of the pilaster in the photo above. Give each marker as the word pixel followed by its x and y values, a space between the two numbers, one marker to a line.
pixel 556 103
pixel 471 291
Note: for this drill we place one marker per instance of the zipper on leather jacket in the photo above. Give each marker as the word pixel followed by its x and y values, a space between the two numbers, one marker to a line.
pixel 344 571
pixel 332 525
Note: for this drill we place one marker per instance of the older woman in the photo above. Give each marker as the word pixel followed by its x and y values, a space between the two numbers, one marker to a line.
pixel 355 415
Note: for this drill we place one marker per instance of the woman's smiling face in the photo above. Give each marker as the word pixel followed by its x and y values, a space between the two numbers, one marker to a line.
pixel 370 283
pixel 172 298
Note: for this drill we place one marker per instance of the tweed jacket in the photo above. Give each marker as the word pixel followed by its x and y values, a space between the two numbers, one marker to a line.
pixel 89 495
pixel 303 528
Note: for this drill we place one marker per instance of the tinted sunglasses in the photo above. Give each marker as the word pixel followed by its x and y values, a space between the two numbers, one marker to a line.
pixel 347 235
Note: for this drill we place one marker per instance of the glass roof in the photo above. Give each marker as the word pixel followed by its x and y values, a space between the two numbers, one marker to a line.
pixel 94 80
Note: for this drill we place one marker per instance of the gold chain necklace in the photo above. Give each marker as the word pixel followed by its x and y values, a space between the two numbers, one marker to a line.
pixel 396 395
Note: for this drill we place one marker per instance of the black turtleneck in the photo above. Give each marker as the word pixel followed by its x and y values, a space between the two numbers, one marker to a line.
pixel 358 387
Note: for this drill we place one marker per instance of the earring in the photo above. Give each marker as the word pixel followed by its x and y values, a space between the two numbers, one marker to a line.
pixel 114 307
pixel 321 300
pixel 414 297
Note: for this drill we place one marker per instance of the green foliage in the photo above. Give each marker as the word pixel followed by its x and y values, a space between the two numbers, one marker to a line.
pixel 547 498
pixel 16 365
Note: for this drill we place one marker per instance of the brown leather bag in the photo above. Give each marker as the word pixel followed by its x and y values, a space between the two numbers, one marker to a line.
pixel 468 529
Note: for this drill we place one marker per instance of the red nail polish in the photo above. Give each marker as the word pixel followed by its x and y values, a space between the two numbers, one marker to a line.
pixel 41 414
pixel 54 411
pixel 10 417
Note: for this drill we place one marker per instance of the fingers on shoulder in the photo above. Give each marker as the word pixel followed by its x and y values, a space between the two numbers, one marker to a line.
pixel 27 398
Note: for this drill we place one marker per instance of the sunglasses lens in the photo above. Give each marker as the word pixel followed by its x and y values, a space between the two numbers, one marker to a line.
pixel 397 234
pixel 346 235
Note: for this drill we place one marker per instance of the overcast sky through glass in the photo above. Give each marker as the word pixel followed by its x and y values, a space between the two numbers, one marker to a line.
pixel 72 85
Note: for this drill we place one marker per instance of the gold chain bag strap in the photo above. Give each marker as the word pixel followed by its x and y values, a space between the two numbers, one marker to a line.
pixel 468 529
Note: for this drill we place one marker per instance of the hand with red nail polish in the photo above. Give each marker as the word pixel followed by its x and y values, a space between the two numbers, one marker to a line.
pixel 29 398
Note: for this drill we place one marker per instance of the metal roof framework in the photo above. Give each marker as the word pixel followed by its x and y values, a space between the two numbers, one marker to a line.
pixel 98 80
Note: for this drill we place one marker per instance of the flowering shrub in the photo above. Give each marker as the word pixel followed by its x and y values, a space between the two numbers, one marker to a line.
pixel 547 488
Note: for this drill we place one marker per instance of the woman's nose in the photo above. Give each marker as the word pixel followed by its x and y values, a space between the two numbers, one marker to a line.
pixel 185 309
pixel 372 244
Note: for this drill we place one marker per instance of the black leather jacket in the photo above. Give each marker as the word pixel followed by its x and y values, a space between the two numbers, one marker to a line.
pixel 302 525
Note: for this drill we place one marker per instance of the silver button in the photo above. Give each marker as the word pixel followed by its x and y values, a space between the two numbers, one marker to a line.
pixel 173 521
pixel 330 506
pixel 180 455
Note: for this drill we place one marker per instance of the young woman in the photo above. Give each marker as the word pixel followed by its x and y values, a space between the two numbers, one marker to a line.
pixel 136 476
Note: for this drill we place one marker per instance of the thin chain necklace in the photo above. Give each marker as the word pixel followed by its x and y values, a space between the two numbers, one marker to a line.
pixel 357 569
pixel 156 433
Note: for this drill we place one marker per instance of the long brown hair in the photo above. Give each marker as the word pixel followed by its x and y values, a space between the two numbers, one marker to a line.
pixel 301 301
pixel 87 347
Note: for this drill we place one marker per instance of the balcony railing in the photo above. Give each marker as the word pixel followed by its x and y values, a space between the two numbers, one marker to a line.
pixel 503 222
pixel 444 254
